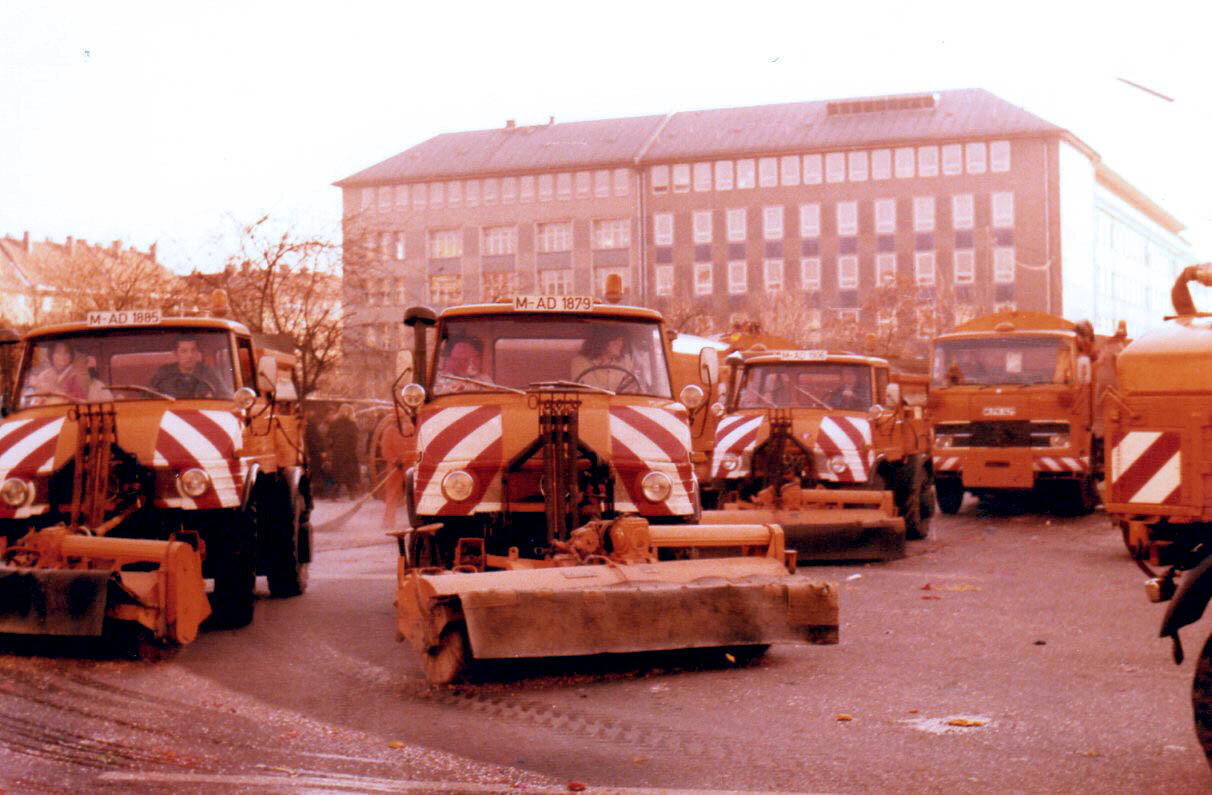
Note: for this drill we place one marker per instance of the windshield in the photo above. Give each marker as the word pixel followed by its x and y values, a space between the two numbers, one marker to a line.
pixel 1002 360
pixel 514 351
pixel 806 385
pixel 128 364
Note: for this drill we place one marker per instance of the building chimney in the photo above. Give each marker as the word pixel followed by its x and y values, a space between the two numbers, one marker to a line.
pixel 25 242
pixel 510 124
pixel 550 120
pixel 70 245
pixel 151 252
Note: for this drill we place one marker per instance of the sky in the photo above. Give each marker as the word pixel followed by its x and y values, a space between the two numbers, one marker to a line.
pixel 176 123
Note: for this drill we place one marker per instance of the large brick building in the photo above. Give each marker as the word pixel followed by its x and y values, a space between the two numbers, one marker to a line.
pixel 960 199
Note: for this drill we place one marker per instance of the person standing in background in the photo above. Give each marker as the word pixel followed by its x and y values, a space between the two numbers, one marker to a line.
pixel 343 461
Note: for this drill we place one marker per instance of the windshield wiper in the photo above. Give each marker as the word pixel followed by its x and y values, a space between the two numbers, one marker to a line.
pixel 488 384
pixel 575 385
pixel 140 388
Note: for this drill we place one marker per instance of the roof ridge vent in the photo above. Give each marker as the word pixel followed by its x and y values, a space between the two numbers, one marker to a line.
pixel 875 104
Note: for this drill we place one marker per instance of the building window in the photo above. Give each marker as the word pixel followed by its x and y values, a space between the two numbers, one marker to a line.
pixel 681 178
pixel 738 277
pixel 500 285
pixel 400 245
pixel 702 226
pixel 446 288
pixel 812 169
pixel 857 162
pixel 953 155
pixel 768 172
pixel 835 167
pixel 664 280
pixel 491 190
pixel 420 196
pixel 773 272
pixel 564 186
pixel 744 174
pixel 601 274
pixel 660 179
pixel 1003 265
pixel 662 229
pixel 557 281
pixel 904 162
pixel 965 266
pixel 848 316
pixel 702 177
pixel 885 216
pixel 976 154
pixel 772 222
pixel 723 175
pixel 583 184
pixel 885 269
pixel 847 219
pixel 500 240
pixel 437 194
pixel 1003 210
pixel 621 180
pixel 385 197
pixel 703 278
pixel 509 190
pixel 923 268
pixel 553 237
pixel 401 195
pixel 962 211
pixel 612 233
pixel 472 193
pixel 601 183
pixel 847 272
pixel 454 193
pixel 999 156
pixel 368 198
pixel 526 188
pixel 927 161
pixel 445 243
pixel 923 214
pixel 546 187
pixel 810 273
pixel 790 170
pixel 881 164
pixel 385 244
pixel 736 225
pixel 810 220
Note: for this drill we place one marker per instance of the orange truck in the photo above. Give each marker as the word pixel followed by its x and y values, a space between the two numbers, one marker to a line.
pixel 1159 490
pixel 140 454
pixel 1012 405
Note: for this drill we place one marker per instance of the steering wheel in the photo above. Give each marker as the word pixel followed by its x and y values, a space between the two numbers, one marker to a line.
pixel 628 380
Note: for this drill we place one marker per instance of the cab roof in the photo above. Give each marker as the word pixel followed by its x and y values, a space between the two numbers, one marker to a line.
pixel 166 323
pixel 1012 323
pixel 599 310
pixel 809 357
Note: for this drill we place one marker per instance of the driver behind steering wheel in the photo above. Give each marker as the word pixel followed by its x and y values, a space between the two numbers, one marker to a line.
pixel 188 376
pixel 604 361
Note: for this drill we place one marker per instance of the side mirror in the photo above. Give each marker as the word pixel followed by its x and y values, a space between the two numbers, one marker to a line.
pixel 709 366
pixel 404 365
pixel 267 374
pixel 892 395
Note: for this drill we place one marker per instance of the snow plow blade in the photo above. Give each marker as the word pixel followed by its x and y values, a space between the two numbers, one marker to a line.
pixel 829 524
pixel 59 583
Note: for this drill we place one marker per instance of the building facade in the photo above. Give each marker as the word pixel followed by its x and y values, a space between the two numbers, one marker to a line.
pixel 954 203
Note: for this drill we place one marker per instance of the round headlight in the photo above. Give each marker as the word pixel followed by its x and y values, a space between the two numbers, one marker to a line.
pixel 838 464
pixel 193 482
pixel 717 409
pixel 413 395
pixel 730 461
pixel 1058 440
pixel 692 396
pixel 458 485
pixel 656 486
pixel 244 397
pixel 16 492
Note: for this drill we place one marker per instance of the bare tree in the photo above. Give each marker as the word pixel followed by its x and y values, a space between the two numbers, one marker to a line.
pixel 68 282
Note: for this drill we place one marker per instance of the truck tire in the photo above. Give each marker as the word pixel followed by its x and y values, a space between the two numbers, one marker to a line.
pixel 1077 497
pixel 914 502
pixel 286 573
pixel 950 494
pixel 235 573
pixel 450 659
pixel 1201 698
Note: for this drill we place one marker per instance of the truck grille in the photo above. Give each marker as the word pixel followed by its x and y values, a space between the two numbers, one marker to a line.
pixel 1004 433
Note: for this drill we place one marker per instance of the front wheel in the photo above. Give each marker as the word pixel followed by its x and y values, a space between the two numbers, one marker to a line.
pixel 286 573
pixel 1201 699
pixel 234 565
pixel 914 505
pixel 449 660
pixel 950 495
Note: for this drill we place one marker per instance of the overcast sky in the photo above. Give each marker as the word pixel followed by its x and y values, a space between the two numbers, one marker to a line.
pixel 173 122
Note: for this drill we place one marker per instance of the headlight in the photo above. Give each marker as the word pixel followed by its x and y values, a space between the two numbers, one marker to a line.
pixel 1058 440
pixel 413 395
pixel 717 409
pixel 244 397
pixel 656 486
pixel 730 461
pixel 837 464
pixel 193 483
pixel 691 396
pixel 943 440
pixel 16 492
pixel 457 485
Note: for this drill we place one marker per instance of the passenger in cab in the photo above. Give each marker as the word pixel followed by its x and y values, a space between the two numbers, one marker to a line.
pixel 463 359
pixel 604 361
pixel 851 394
pixel 188 376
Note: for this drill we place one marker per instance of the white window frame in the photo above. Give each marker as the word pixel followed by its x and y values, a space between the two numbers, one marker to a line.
pixel 881 164
pixel 555 281
pixel 1002 203
pixel 622 182
pixel 885 216
pixel 768 172
pixel 847 219
pixel 964 266
pixel 772 273
pixel 856 166
pixel 401 196
pixel 681 177
pixel 583 184
pixel 601 183
pixel 471 193
pixel 963 211
pixel 491 190
pixel 659 177
pixel 701 221
pixel 454 193
pixel 885 269
pixel 664 279
pixel 420 196
pixel 813 170
pixel 904 165
pixel 499 240
pixel 610 233
pixel 999 156
pixel 810 273
pixel 746 175
pixel 400 247
pixel 738 277
pixel 526 188
pixel 437 194
pixel 810 219
pixel 924 268
pixel 564 186
pixel 367 199
pixel 553 237
pixel 848 272
pixel 835 167
pixel 445 243
pixel 927 161
pixel 702 177
pixel 773 222
pixel 546 187
pixel 953 159
pixel 662 229
pixel 704 278
pixel 789 170
pixel 1004 265
pixel 737 221
pixel 923 213
pixel 723 175
pixel 386 198
pixel 976 156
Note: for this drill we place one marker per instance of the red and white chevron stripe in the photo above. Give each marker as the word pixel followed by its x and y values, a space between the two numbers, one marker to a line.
pixel 210 440
pixel 735 434
pixel 1146 467
pixel 460 437
pixel 27 448
pixel 949 463
pixel 1061 463
pixel 647 439
pixel 850 438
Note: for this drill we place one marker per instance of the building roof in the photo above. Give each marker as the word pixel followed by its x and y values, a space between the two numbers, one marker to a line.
pixel 788 127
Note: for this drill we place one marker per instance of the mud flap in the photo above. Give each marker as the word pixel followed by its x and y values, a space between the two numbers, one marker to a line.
pixel 829 535
pixel 53 601
pixel 648 617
